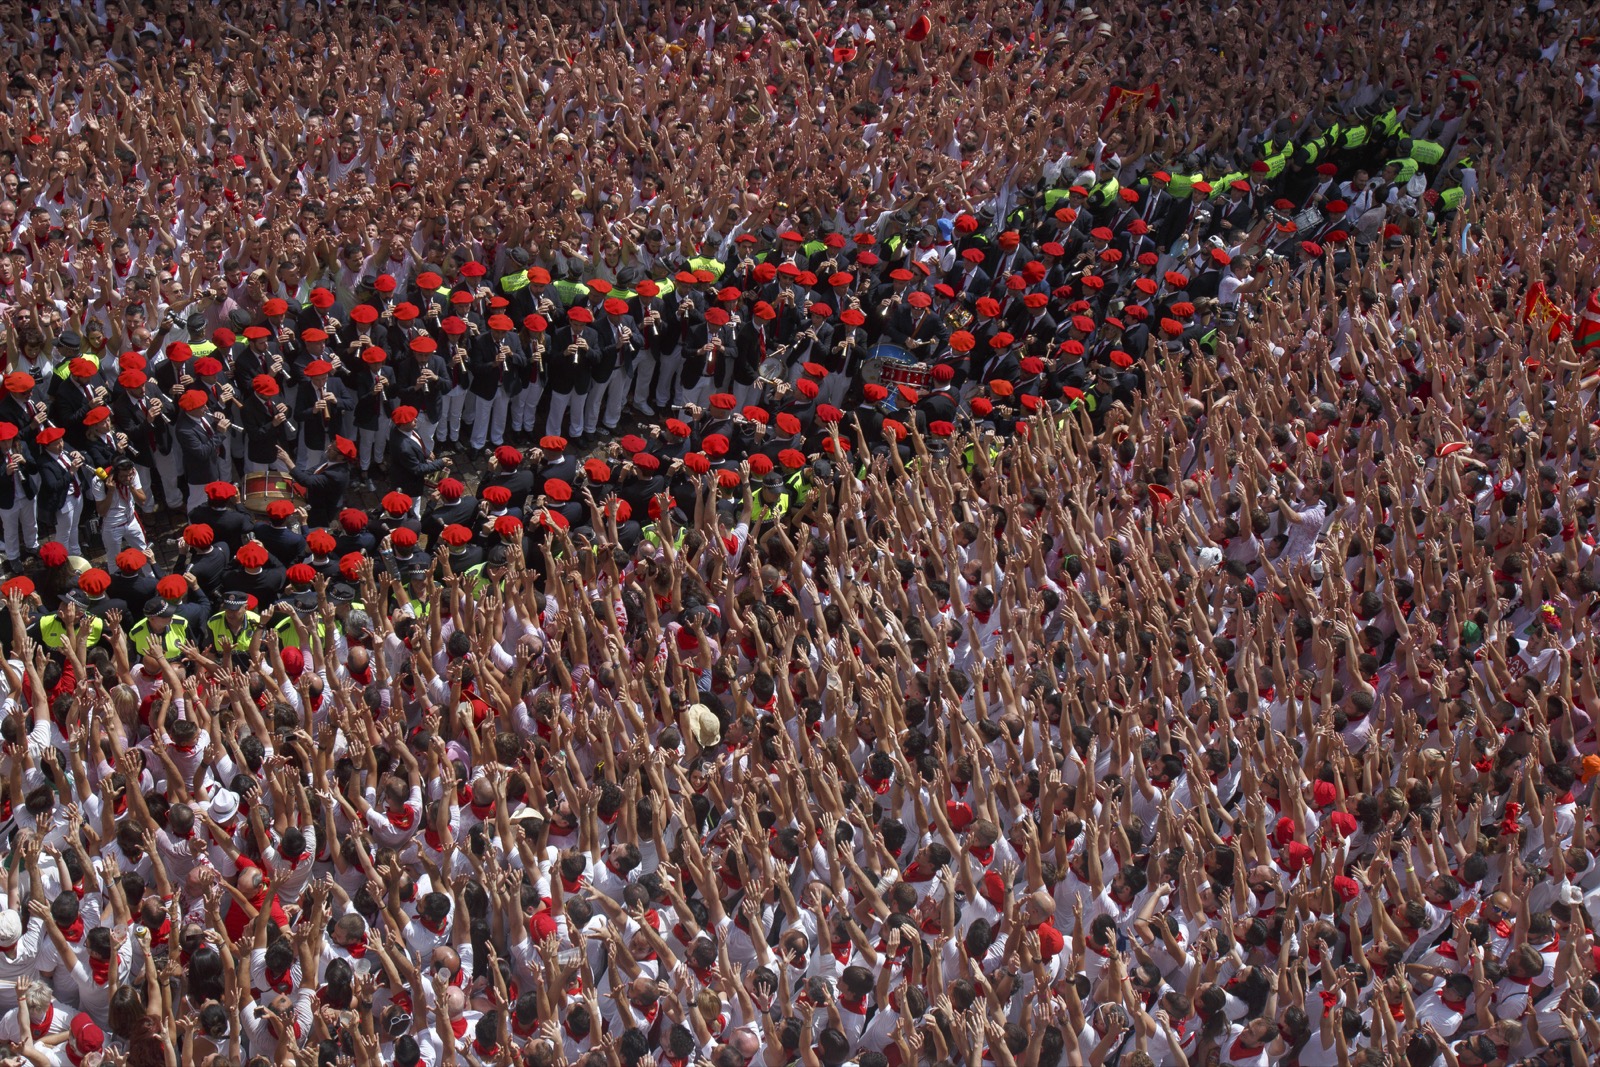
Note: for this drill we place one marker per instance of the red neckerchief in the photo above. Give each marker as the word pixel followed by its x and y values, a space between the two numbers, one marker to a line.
pixel 1239 1048
pixel 444 922
pixel 74 933
pixel 880 786
pixel 160 934
pixel 42 1026
pixel 982 616
pixel 281 982
pixel 477 1046
pixel 571 885
pixel 459 1026
pixel 402 819
pixel 518 1030
pixel 1457 1006
pixel 842 950
pixel 359 949
pixel 482 811
pixel 854 1005
pixel 984 854
pixel 99 970
pixel 431 836
pixel 918 873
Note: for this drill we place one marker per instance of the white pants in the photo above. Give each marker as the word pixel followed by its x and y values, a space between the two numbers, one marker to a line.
pixel 559 405
pixel 119 535
pixel 425 428
pixel 149 484
pixel 67 520
pixel 526 406
pixel 489 419
pixel 831 390
pixel 698 394
pixel 666 390
pixel 168 469
pixel 21 530
pixel 372 445
pixel 450 409
pixel 604 405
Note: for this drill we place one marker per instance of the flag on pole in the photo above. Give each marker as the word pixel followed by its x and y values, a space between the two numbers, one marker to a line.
pixel 1539 309
pixel 1587 335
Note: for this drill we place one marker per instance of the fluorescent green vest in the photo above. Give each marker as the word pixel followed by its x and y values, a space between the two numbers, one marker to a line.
pixel 54 633
pixel 220 634
pixel 172 641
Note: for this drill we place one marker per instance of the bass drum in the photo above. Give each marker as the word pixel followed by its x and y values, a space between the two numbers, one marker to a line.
pixel 1307 220
pixel 261 488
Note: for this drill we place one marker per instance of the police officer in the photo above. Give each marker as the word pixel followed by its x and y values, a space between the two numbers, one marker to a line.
pixel 161 632
pixel 234 627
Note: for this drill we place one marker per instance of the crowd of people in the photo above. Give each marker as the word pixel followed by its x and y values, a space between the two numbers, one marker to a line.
pixel 830 534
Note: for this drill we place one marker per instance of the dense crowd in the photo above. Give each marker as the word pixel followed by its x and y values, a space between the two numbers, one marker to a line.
pixel 838 535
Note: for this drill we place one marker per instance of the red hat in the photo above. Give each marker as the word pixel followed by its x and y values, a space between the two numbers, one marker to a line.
pixel 867 259
pixel 829 413
pixel 280 509
pixel 716 317
pixel 473 269
pixel 535 323
pixel 1336 237
pixel 962 341
pixel 1067 215
pixel 1016 282
pixel 82 367
pixel 320 542
pixel 714 444
pixel 344 446
pixel 455 535
pixel 597 469
pixel 507 456
pixel 755 414
pixel 920 299
pixel 1239 185
pixel 724 401
pixel 632 443
pixel 508 526
pixel 1051 942
pixel 981 406
pixel 263 384
pixel 396 503
pixel 313 334
pixel 558 490
pixel 8 431
pixel 874 393
pixel 251 554
pixel 350 567
pixel 303 573
pixel 404 415
pixel 908 394
pixel 404 536
pixel 498 495
pixel 1343 822
pixel 405 311
pixel 1009 239
pixel 21 585
pixel 833 240
pixel 792 458
pixel 765 272
pixel 424 344
pixel 177 351
pixel 896 427
pixel 538 276
pixel 321 298
pixel 647 288
pixel 1092 281
pixel 787 424
pixel 836 445
pixel 1071 348
pixel 95 581
pixel 1101 233
pixel 1129 195
pixel 853 317
pixel 1003 339
pixel 678 428
pixel 19 382
pixel 987 306
pixel 1147 286
pixel 207 366
pixel 256 333
pixel 900 274
pixel 96 416
pixel 807 388
pixel 581 314
pixel 941 428
pixel 1222 257
pixel 1111 255
pixel 760 464
pixel 52 553
pixel 842 277
pixel 553 443
pixel 763 311
pixel 450 488
pixel 1346 888
pixel 614 305
pixel 318 367
pixel 646 462
pixel 943 372
pixel 1337 207
pixel 1172 327
pixel 354 520
pixel 728 478
pixel 1001 388
pixel 383 283
pixel 50 435
pixel 966 224
pixel 275 307
pixel 1312 249
pixel 790 235
pixel 1327 170
pixel 503 322
pixel 172 587
pixel 919 29
pixel 1201 187
pixel 198 535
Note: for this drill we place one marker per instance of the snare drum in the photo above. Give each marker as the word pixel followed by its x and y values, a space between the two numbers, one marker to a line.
pixel 901 372
pixel 1307 220
pixel 261 488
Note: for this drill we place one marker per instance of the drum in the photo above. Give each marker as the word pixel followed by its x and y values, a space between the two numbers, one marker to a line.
pixel 904 372
pixel 261 488
pixel 1307 220
pixel 880 356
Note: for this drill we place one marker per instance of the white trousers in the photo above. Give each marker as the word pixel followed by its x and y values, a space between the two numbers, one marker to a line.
pixel 21 530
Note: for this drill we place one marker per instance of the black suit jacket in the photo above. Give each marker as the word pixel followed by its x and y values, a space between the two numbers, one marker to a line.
pixel 412 465
pixel 201 443
pixel 326 485
pixel 54 484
